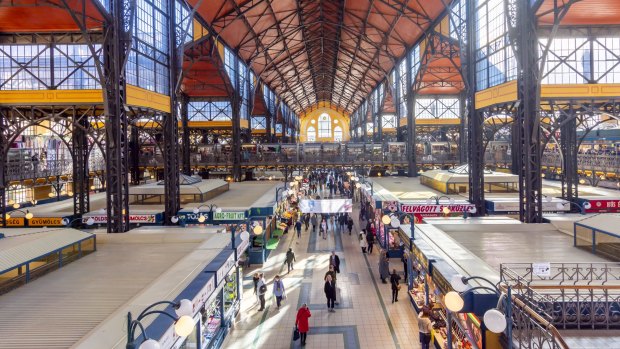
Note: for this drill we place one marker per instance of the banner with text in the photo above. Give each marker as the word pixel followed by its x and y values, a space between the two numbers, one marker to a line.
pixel 326 206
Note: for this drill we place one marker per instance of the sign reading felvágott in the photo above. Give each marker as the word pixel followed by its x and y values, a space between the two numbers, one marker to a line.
pixel 228 216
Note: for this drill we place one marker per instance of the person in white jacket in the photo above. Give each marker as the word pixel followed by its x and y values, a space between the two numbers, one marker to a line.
pixel 363 242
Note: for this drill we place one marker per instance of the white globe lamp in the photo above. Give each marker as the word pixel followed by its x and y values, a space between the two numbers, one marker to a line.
pixel 184 326
pixel 150 344
pixel 495 321
pixel 457 283
pixel 454 302
pixel 186 308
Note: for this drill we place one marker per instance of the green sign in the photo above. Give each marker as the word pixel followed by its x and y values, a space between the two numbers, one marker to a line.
pixel 228 216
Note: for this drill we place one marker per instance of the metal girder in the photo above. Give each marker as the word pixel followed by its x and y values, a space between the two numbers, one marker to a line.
pixel 411 141
pixel 116 50
pixel 80 152
pixel 186 164
pixel 134 155
pixel 474 117
pixel 569 147
pixel 172 192
pixel 525 41
pixel 4 115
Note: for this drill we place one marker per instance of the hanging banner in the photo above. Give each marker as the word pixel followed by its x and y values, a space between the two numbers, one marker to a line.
pixel 326 206
pixel 133 218
pixel 426 210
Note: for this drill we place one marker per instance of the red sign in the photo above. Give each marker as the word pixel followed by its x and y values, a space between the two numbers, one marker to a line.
pixel 434 210
pixel 601 206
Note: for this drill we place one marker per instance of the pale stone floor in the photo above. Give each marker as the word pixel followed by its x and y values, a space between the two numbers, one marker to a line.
pixel 362 319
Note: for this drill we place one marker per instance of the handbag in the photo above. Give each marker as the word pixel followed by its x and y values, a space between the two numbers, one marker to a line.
pixel 295 334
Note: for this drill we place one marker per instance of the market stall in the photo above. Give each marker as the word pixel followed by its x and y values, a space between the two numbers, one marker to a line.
pixel 430 270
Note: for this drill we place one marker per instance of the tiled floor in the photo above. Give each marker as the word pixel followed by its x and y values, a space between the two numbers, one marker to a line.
pixel 361 320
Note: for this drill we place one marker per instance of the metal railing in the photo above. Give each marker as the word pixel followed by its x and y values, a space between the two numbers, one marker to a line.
pixel 574 295
pixel 585 161
pixel 21 170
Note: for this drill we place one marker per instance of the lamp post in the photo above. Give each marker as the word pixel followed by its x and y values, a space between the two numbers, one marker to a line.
pixel 183 323
pixel 582 208
pixel 493 319
pixel 27 214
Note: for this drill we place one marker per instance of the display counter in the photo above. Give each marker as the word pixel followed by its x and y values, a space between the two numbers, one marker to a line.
pixel 429 283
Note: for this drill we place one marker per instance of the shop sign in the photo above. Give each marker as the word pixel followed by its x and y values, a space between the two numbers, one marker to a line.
pixel 513 206
pixel 202 296
pixel 601 206
pixel 45 222
pixel 223 270
pixel 434 210
pixel 541 269
pixel 228 216
pixel 241 248
pixel 420 257
pixel 133 218
pixel 13 222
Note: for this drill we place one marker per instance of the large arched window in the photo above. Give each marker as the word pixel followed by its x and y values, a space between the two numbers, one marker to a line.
pixel 325 126
pixel 311 134
pixel 337 134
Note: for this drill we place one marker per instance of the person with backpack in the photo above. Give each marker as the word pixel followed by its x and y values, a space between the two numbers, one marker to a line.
pixel 278 290
pixel 290 258
pixel 262 289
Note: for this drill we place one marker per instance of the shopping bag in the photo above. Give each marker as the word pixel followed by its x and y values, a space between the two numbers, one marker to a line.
pixel 295 334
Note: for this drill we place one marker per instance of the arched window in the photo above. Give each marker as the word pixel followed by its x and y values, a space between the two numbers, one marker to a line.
pixel 311 134
pixel 337 134
pixel 325 126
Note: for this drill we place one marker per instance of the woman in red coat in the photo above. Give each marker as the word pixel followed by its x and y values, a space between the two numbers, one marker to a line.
pixel 302 322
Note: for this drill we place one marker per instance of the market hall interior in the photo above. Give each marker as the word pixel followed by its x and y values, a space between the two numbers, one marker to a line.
pixel 156 154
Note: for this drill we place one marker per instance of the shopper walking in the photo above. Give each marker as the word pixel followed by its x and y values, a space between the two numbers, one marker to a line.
pixel 302 323
pixel 330 293
pixel 324 229
pixel 370 239
pixel 334 261
pixel 262 289
pixel 255 279
pixel 298 228
pixel 307 220
pixel 350 224
pixel 363 243
pixel 278 290
pixel 424 326
pixel 342 219
pixel 290 258
pixel 395 281
pixel 384 267
pixel 314 222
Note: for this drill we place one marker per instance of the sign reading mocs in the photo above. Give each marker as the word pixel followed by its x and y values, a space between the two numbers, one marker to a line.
pixel 133 218
pixel 46 222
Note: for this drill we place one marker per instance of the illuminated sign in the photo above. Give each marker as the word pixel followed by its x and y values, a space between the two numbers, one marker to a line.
pixel 45 222
pixel 600 206
pixel 202 296
pixel 241 248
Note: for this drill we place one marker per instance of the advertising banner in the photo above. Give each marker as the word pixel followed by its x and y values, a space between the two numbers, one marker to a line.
pixel 326 206
pixel 602 206
pixel 133 218
pixel 426 210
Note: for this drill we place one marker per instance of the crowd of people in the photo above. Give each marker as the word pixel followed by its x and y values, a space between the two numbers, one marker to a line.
pixel 323 225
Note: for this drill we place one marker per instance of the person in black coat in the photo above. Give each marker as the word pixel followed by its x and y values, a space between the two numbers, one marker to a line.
pixel 335 261
pixel 330 293
pixel 395 281
pixel 370 238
